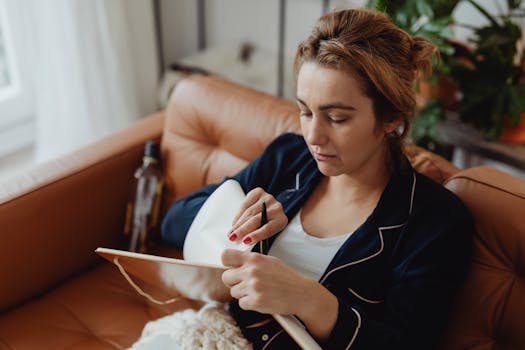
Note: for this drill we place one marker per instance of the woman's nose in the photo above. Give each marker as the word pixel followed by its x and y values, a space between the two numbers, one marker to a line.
pixel 315 132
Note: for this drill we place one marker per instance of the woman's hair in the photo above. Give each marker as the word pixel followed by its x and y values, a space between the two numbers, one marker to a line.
pixel 383 58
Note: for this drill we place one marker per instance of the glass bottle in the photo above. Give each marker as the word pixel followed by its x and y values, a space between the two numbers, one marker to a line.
pixel 142 214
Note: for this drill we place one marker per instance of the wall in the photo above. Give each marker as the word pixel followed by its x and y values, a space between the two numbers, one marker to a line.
pixel 230 22
pixel 465 13
pixel 233 21
pixel 257 21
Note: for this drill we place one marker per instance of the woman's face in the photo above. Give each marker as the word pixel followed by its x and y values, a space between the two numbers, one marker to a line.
pixel 338 122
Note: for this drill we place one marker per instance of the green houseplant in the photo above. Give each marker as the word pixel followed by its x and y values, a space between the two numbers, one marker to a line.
pixel 490 77
pixel 428 18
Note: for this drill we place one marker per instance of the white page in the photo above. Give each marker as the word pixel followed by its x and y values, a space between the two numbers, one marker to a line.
pixel 207 236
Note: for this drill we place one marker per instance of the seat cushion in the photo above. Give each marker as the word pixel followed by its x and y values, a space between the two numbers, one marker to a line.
pixel 97 310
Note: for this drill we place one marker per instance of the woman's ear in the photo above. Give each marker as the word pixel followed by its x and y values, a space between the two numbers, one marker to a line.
pixel 391 126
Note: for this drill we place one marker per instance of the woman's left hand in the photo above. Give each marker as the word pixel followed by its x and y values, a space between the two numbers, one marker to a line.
pixel 264 283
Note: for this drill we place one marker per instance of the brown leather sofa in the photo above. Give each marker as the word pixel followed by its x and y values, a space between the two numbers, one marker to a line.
pixel 56 293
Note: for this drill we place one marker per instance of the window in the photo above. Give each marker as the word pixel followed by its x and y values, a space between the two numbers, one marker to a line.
pixel 4 70
pixel 16 102
pixel 7 83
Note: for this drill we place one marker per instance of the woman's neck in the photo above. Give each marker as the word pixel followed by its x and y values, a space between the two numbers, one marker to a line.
pixel 365 184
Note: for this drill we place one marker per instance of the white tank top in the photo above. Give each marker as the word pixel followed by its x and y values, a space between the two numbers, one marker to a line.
pixel 304 253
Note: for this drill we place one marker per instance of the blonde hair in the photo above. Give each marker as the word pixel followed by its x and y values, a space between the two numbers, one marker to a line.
pixel 385 60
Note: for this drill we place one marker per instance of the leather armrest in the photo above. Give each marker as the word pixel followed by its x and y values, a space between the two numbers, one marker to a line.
pixel 53 218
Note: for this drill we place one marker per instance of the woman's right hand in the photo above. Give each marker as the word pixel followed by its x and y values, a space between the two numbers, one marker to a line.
pixel 246 226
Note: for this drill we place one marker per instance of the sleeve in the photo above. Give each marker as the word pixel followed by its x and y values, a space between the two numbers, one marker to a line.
pixel 264 172
pixel 419 300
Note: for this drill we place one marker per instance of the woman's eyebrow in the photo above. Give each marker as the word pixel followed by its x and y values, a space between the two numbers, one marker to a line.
pixel 300 101
pixel 333 105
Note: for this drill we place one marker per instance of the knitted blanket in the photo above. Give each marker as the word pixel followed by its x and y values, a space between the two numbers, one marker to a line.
pixel 211 327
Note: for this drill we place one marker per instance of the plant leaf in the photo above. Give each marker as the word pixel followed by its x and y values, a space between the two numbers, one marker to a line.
pixel 516 102
pixel 424 8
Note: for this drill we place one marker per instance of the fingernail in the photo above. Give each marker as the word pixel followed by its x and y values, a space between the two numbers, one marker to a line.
pixel 247 240
pixel 232 237
pixel 230 233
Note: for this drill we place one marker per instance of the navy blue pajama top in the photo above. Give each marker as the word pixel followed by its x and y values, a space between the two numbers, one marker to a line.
pixel 395 277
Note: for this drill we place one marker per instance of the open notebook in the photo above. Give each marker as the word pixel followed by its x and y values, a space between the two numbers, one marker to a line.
pixel 198 276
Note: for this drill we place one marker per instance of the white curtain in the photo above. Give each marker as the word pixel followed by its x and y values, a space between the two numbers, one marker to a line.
pixel 95 68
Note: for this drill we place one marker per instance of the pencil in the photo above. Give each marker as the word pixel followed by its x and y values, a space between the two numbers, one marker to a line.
pixel 264 220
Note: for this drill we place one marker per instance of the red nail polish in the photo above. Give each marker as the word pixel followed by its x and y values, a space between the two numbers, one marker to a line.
pixel 232 237
pixel 247 240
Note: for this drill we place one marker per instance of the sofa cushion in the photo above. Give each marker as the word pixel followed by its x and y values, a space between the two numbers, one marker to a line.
pixel 490 307
pixel 430 164
pixel 97 310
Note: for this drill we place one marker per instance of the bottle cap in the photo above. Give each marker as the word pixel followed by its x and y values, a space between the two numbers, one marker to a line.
pixel 152 149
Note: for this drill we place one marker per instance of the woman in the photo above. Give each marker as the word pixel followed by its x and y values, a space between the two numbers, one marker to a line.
pixel 365 251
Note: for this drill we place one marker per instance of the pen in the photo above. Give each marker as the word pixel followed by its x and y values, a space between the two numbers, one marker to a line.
pixel 264 220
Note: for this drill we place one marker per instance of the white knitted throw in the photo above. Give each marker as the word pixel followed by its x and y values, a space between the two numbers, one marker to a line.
pixel 211 327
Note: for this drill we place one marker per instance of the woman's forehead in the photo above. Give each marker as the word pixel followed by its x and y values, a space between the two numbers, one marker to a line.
pixel 315 82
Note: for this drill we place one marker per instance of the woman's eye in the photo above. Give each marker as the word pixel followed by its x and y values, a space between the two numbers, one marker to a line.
pixel 305 114
pixel 337 120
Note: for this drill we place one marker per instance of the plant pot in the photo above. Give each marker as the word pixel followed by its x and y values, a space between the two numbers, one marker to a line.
pixel 513 134
pixel 445 91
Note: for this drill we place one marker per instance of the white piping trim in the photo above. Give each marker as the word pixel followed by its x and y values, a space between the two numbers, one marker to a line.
pixel 357 261
pixel 356 329
pixel 272 338
pixel 391 227
pixel 380 230
pixel 297 184
pixel 413 190
pixel 363 298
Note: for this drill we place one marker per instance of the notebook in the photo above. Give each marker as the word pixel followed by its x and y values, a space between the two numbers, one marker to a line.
pixel 198 276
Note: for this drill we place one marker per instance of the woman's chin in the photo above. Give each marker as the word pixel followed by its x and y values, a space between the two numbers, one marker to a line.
pixel 327 170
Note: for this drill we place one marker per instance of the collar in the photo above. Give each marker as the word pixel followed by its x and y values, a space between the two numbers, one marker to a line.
pixel 397 200
pixel 391 213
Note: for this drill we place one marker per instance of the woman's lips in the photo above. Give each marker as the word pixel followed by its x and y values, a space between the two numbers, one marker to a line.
pixel 321 156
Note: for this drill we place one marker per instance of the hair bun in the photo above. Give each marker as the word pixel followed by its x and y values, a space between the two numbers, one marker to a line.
pixel 422 52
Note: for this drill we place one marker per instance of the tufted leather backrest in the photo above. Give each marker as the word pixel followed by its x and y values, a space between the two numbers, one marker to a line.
pixel 491 306
pixel 215 128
